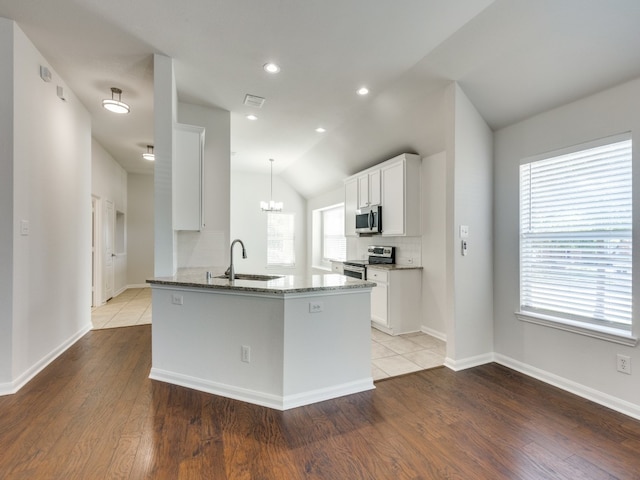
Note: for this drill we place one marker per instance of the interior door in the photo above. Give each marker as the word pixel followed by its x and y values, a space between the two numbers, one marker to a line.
pixel 109 240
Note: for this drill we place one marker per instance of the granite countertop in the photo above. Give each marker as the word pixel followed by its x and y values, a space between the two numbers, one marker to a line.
pixel 196 277
pixel 393 266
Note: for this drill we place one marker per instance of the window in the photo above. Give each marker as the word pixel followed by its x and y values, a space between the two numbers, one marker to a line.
pixel 280 239
pixel 334 243
pixel 575 237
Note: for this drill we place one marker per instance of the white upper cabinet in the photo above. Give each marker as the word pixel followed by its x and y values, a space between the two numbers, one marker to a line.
pixel 187 173
pixel 369 189
pixel 401 196
pixel 350 206
pixel 395 185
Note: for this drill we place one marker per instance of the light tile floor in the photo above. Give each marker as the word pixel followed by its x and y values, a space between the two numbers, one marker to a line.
pixel 131 307
pixel 390 356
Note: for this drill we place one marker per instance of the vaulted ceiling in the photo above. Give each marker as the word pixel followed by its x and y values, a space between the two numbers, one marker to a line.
pixel 513 59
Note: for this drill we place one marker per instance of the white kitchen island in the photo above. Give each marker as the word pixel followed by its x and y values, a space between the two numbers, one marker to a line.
pixel 281 343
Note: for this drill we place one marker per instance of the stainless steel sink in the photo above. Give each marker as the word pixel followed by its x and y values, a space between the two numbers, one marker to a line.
pixel 249 276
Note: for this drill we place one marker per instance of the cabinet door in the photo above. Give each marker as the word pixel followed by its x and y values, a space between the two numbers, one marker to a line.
pixel 379 304
pixel 374 188
pixel 187 177
pixel 363 191
pixel 350 207
pixel 393 208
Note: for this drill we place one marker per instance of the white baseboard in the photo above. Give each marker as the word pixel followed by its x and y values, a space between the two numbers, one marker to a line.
pixel 434 333
pixel 276 402
pixel 470 362
pixel 29 374
pixel 583 391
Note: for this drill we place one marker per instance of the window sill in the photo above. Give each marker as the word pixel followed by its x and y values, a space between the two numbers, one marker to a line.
pixel 321 267
pixel 602 333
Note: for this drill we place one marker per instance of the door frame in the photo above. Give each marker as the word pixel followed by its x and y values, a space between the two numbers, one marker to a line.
pixel 96 253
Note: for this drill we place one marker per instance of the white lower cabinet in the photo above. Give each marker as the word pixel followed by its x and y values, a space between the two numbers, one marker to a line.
pixel 395 300
pixel 337 267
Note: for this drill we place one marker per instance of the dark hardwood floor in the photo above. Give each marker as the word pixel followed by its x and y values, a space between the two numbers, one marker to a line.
pixel 94 414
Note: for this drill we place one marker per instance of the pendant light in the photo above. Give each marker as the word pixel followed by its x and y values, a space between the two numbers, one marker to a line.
pixel 271 206
pixel 149 155
pixel 113 105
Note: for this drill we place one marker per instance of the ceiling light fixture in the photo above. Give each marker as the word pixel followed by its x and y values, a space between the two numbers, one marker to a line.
pixel 320 130
pixel 113 105
pixel 363 91
pixel 271 68
pixel 252 117
pixel 149 155
pixel 271 206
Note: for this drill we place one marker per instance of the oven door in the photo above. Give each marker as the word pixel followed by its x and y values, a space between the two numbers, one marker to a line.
pixel 355 271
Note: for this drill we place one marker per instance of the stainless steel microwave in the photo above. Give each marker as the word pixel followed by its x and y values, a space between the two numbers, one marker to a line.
pixel 369 220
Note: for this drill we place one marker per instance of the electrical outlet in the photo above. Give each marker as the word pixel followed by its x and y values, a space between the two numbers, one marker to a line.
pixel 624 364
pixel 315 307
pixel 176 299
pixel 245 353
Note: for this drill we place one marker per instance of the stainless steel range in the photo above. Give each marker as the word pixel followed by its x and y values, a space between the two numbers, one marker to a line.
pixel 377 255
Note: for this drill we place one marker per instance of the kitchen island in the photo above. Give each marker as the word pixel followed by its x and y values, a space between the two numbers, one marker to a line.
pixel 280 343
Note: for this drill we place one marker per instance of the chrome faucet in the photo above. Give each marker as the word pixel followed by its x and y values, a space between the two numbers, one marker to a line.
pixel 230 271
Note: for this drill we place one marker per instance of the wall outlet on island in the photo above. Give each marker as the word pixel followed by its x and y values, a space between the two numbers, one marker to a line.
pixel 315 307
pixel 245 353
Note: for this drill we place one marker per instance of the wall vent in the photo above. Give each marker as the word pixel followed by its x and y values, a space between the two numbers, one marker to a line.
pixel 253 101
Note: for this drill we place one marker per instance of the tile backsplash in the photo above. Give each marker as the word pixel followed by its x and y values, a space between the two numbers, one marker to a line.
pixel 408 249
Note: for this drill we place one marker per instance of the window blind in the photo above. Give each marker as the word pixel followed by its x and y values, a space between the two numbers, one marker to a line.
pixel 280 239
pixel 575 236
pixel 334 243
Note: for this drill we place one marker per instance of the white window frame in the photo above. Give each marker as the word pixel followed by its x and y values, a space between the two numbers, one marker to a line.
pixel 323 236
pixel 593 327
pixel 319 260
pixel 291 239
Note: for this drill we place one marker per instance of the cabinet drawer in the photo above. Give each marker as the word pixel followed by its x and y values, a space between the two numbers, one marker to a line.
pixel 377 275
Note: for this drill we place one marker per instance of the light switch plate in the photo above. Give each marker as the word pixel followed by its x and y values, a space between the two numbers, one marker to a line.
pixel 464 231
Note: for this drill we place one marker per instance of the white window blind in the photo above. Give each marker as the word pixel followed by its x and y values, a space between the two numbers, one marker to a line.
pixel 334 243
pixel 280 239
pixel 575 236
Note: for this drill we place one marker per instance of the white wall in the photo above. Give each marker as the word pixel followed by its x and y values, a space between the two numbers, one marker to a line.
pixel 434 244
pixel 7 223
pixel 575 362
pixel 165 108
pixel 52 191
pixel 210 246
pixel 469 197
pixel 140 245
pixel 109 183
pixel 249 223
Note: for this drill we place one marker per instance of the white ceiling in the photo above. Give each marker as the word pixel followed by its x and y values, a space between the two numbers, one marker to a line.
pixel 513 58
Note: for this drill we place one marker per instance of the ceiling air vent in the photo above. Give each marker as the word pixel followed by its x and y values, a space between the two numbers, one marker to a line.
pixel 253 101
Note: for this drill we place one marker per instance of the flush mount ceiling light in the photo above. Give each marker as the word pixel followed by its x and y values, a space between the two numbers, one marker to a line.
pixel 149 155
pixel 271 68
pixel 252 117
pixel 320 130
pixel 113 105
pixel 362 91
pixel 271 206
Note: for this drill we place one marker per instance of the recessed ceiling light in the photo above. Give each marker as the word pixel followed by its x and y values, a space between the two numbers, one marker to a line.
pixel 252 117
pixel 320 130
pixel 363 91
pixel 271 68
